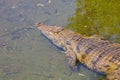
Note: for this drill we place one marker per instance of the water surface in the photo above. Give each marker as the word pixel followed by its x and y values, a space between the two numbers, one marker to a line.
pixel 24 53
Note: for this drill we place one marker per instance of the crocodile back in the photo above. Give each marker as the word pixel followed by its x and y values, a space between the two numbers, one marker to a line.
pixel 99 55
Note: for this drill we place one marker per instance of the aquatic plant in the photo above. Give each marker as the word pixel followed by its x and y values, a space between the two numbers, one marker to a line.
pixel 99 17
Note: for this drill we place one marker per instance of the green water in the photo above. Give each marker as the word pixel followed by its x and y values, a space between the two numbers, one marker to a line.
pixel 24 53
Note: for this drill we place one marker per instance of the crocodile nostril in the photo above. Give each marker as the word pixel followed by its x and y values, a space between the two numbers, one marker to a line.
pixel 38 24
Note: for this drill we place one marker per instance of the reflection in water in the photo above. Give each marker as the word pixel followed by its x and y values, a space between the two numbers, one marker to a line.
pixel 24 53
pixel 97 17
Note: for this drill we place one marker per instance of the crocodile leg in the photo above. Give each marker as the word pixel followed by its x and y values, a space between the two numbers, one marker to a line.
pixel 72 60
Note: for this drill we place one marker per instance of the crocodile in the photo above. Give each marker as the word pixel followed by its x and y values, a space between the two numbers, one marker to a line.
pixel 97 54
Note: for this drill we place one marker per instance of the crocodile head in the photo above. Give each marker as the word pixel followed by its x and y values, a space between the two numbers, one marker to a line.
pixel 57 35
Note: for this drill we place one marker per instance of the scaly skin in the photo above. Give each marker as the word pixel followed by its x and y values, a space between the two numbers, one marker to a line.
pixel 98 55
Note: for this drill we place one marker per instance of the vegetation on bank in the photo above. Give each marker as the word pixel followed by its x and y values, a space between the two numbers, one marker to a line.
pixel 101 17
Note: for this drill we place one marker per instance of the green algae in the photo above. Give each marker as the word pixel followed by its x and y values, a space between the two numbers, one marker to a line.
pixel 97 17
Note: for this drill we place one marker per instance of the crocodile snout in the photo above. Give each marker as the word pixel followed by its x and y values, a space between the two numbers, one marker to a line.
pixel 38 24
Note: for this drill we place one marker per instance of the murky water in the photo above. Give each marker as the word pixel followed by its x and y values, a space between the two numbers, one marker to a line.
pixel 24 53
